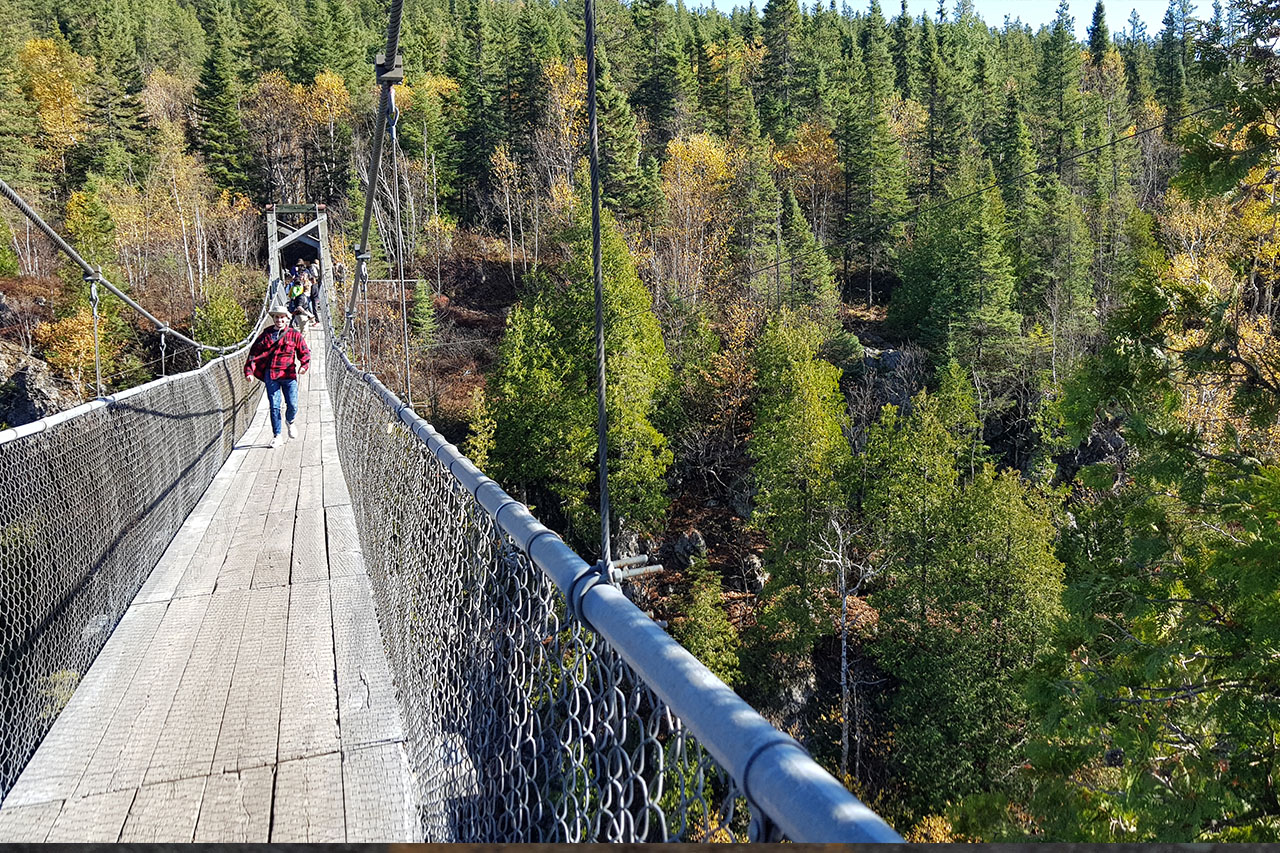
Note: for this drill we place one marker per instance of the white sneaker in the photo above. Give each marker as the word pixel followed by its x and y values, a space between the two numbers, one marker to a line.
pixel 293 431
pixel 277 441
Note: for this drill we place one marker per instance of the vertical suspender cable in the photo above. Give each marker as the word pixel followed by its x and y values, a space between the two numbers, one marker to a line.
pixel 404 311
pixel 362 250
pixel 602 420
pixel 93 301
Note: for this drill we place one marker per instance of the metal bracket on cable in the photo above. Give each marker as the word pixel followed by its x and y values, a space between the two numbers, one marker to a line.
pixel 389 75
pixel 594 574
pixel 163 347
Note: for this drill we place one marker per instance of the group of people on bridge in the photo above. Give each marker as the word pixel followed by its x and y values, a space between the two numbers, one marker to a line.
pixel 280 354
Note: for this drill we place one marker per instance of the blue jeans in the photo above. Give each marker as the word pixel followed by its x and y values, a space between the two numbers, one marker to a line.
pixel 290 388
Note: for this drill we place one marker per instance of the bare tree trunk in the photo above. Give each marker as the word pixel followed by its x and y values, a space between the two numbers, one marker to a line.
pixel 186 243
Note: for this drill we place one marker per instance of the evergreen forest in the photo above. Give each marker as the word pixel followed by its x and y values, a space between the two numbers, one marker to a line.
pixel 942 376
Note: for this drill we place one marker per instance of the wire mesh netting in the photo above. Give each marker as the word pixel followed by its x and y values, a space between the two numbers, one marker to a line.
pixel 91 501
pixel 523 725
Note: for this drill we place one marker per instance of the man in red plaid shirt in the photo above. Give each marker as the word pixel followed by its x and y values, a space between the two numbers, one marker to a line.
pixel 271 359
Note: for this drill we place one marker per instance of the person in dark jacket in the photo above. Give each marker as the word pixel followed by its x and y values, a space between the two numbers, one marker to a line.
pixel 271 359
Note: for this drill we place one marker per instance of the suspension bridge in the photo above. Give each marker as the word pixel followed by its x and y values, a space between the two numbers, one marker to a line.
pixel 354 637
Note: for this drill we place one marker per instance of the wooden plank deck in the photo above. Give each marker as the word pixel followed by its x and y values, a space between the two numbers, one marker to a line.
pixel 245 695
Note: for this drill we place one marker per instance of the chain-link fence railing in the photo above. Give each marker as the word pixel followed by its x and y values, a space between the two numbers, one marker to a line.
pixel 89 500
pixel 533 715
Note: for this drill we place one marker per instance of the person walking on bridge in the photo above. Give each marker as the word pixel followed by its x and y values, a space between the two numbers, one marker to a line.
pixel 271 359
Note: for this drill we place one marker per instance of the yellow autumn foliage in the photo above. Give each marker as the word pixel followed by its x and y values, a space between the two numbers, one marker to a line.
pixel 695 182
pixel 54 77
pixel 67 345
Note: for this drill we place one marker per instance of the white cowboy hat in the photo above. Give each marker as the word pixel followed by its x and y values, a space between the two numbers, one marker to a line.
pixel 278 309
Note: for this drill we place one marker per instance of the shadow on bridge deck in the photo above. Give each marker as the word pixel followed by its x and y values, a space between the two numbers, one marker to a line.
pixel 245 695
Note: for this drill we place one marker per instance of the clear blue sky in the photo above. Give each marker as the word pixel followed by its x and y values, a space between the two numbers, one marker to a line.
pixel 1037 12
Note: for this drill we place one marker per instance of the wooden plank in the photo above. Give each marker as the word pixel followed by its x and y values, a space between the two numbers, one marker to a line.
pixel 251 720
pixel 121 758
pixel 312 447
pixel 28 823
pixel 335 485
pixel 366 693
pixel 345 555
pixel 164 813
pixel 275 558
pixel 285 498
pixel 237 807
pixel 308 803
pixel 173 566
pixel 246 540
pixel 310 558
pixel 190 732
pixel 311 487
pixel 308 701
pixel 201 577
pixel 55 770
pixel 98 818
pixel 378 795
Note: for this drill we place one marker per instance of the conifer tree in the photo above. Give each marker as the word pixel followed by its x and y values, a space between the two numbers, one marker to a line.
pixel 906 54
pixel 622 182
pixel 1139 65
pixel 1013 162
pixel 313 41
pixel 1099 38
pixel 538 45
pixel 753 234
pixel 969 596
pixel 658 96
pixel 480 128
pixel 804 276
pixel 347 56
pixel 957 293
pixel 117 112
pixel 269 36
pixel 1171 71
pixel 544 400
pixel 876 174
pixel 801 469
pixel 1058 90
pixel 220 132
pixel 781 34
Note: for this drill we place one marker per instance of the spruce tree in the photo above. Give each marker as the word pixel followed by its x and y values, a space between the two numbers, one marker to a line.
pixel 781 35
pixel 220 132
pixel 753 234
pixel 1058 90
pixel 657 96
pixel 805 276
pixel 347 57
pixel 957 293
pixel 1099 38
pixel 118 116
pixel 1171 71
pixel 1139 67
pixel 269 36
pixel 875 171
pixel 313 41
pixel 480 126
pixel 906 54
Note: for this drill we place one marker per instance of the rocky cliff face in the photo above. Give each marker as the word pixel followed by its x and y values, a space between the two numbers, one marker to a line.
pixel 28 389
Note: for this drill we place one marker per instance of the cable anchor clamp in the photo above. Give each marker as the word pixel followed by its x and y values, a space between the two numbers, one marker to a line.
pixel 596 573
pixel 389 74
